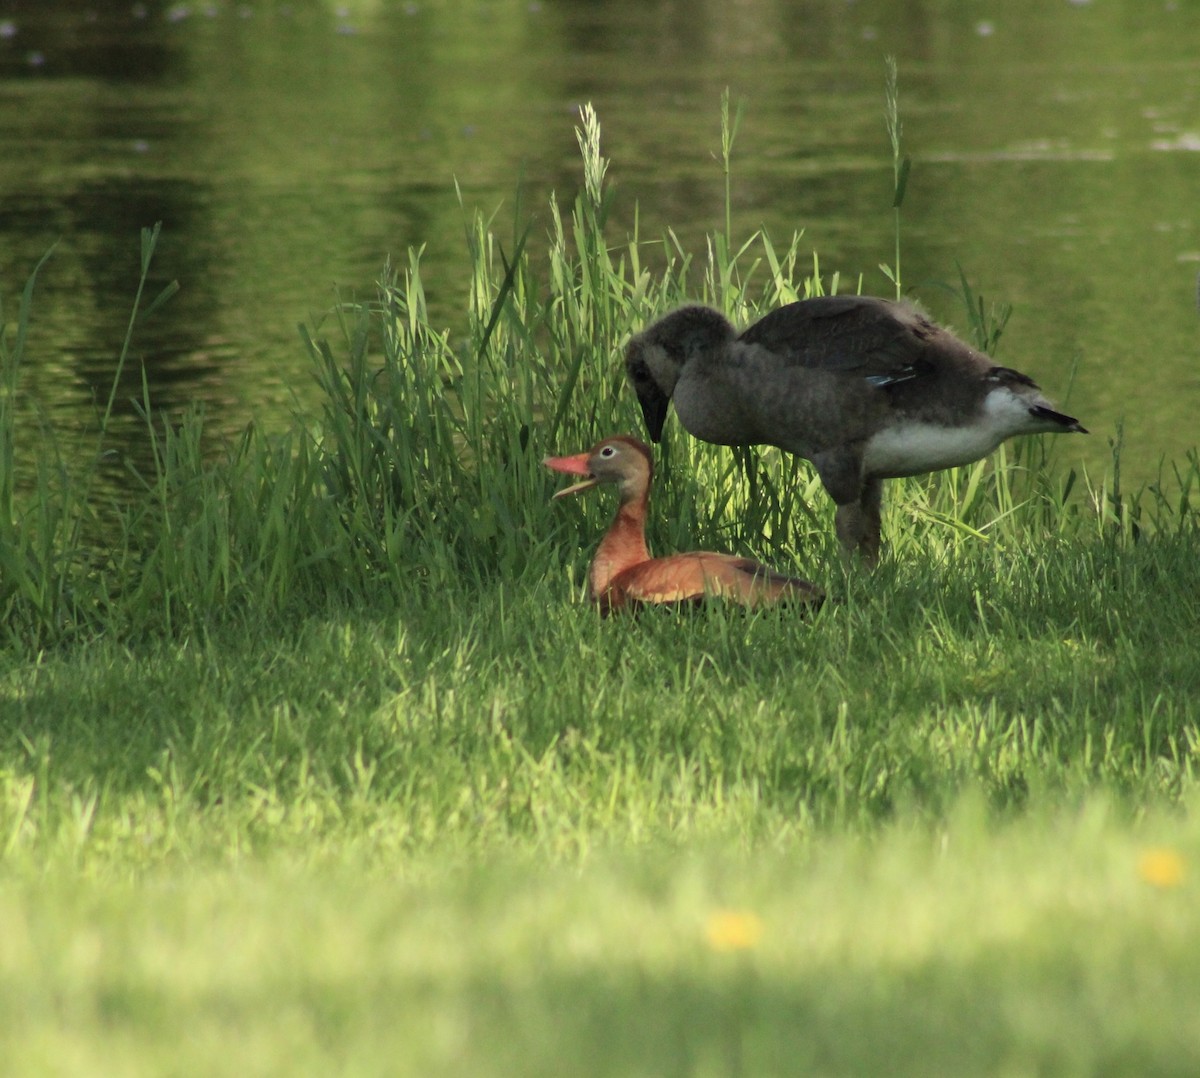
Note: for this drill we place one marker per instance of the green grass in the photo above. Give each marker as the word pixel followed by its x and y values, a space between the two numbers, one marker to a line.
pixel 313 758
pixel 1030 947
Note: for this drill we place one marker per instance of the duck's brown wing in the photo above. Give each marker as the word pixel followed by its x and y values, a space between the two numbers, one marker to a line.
pixel 758 583
pixel 879 340
pixel 684 578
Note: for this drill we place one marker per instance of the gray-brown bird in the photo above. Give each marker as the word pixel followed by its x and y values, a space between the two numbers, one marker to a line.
pixel 867 389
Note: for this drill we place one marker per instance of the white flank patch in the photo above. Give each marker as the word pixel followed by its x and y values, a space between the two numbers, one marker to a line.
pixel 915 448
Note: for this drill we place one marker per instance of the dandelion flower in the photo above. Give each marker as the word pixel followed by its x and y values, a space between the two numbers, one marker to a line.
pixel 731 930
pixel 1161 867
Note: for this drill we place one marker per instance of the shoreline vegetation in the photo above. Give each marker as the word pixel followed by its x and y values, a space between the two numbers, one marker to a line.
pixel 313 753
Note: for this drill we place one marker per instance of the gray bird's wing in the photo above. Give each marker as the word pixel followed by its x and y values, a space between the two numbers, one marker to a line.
pixel 879 341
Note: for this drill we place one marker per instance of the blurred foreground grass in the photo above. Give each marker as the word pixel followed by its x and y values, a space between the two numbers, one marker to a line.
pixel 1045 945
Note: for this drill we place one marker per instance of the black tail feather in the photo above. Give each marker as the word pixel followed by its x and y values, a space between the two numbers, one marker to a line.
pixel 1068 423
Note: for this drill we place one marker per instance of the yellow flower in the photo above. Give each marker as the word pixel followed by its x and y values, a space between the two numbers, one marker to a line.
pixel 731 930
pixel 1161 867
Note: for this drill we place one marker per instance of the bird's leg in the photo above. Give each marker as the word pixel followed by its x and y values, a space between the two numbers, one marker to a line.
pixel 858 499
pixel 858 523
pixel 872 507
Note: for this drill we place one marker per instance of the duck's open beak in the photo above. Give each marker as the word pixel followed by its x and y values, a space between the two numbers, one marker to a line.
pixel 576 465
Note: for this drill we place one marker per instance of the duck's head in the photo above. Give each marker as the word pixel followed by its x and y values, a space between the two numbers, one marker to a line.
pixel 620 460
pixel 655 357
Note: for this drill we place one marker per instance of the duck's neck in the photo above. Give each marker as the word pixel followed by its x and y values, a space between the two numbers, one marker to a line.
pixel 623 545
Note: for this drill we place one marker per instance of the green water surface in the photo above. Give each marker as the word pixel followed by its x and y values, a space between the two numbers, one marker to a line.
pixel 292 147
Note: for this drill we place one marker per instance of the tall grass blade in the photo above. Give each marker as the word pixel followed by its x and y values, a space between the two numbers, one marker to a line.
pixel 901 165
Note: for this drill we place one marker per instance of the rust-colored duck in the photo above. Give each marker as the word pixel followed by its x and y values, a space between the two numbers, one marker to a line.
pixel 623 574
pixel 867 389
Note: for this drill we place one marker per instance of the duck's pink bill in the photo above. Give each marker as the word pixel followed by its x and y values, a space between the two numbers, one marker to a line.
pixel 576 465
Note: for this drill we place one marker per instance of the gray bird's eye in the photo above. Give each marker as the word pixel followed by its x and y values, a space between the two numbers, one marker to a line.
pixel 608 451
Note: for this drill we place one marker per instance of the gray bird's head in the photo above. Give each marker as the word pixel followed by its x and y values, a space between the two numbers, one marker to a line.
pixel 655 357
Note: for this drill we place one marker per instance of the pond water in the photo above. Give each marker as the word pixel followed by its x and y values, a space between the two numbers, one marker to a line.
pixel 289 147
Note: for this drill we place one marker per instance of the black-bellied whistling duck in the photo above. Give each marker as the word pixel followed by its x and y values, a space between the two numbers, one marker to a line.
pixel 623 574
pixel 867 389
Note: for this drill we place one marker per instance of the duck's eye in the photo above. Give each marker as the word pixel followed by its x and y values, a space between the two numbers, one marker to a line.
pixel 608 451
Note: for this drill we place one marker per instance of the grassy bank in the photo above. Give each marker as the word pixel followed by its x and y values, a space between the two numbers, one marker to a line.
pixel 504 713
pixel 312 747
